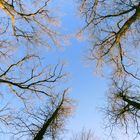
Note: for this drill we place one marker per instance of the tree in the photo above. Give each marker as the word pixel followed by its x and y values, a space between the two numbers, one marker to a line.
pixel 47 121
pixel 30 22
pixel 26 82
pixel 34 87
pixel 112 28
pixel 83 135
pixel 114 31
pixel 124 104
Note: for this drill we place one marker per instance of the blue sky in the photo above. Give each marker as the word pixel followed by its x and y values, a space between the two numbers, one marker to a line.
pixel 86 88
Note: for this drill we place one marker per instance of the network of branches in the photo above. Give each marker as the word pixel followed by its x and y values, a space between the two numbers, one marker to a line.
pixel 114 35
pixel 28 21
pixel 83 135
pixel 114 28
pixel 32 106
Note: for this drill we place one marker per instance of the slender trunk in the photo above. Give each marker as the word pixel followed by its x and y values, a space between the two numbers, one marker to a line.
pixel 42 131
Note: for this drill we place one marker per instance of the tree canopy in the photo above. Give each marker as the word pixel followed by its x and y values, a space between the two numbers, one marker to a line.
pixel 114 31
pixel 38 107
pixel 41 105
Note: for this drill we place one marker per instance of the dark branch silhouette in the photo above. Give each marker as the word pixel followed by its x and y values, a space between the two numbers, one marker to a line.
pixel 124 104
pixel 47 121
pixel 113 27
pixel 110 31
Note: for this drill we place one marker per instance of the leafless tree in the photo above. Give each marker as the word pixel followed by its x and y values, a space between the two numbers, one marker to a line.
pixel 36 79
pixel 28 21
pixel 83 135
pixel 114 27
pixel 26 83
pixel 124 105
pixel 45 123
pixel 114 34
pixel 33 85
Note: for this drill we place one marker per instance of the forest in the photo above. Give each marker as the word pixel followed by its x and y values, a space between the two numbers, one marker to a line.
pixel 69 70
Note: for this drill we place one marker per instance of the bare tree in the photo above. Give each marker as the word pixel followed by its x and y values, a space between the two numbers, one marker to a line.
pixel 46 122
pixel 28 21
pixel 83 135
pixel 35 80
pixel 34 86
pixel 114 27
pixel 124 105
pixel 114 32
pixel 26 84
